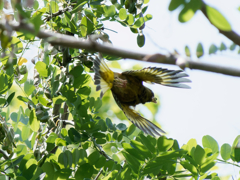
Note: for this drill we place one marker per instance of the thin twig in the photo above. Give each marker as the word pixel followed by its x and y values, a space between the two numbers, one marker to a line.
pixel 99 173
pixel 228 162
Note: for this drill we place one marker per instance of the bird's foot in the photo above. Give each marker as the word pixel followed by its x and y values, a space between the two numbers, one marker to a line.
pixel 154 99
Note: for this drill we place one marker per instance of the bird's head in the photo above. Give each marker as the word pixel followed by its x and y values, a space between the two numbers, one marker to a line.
pixel 154 99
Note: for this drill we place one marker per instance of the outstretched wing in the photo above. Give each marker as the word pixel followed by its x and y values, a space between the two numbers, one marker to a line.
pixel 173 78
pixel 103 75
pixel 142 123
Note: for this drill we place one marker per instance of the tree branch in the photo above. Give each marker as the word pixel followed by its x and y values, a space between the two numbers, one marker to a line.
pixel 232 35
pixel 91 44
pixel 57 13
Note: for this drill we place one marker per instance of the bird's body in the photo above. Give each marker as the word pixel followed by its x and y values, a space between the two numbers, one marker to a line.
pixel 128 89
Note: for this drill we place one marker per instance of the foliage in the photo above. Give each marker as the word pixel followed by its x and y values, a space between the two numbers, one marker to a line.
pixel 61 130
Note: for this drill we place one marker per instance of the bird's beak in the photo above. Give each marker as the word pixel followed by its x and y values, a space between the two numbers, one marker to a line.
pixel 154 99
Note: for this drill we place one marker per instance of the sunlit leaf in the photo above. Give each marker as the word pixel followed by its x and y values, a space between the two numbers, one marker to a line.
pixel 226 151
pixel 210 142
pixel 217 19
pixel 200 50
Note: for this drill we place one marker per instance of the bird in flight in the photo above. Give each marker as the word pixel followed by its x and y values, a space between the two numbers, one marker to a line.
pixel 128 89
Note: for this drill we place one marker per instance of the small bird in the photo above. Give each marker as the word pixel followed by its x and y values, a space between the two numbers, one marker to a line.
pixel 128 89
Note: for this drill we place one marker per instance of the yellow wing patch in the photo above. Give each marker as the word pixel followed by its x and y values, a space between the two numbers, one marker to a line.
pixel 103 75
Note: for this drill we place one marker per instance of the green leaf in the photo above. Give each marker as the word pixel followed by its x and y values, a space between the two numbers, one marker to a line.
pixel 189 167
pixel 140 40
pixel 60 142
pixel 93 158
pixel 213 49
pixel 207 166
pixel 15 161
pixel 48 168
pixel 78 6
pixel 100 162
pixel 84 92
pixel 130 19
pixel 187 51
pixel 189 10
pixel 81 80
pixel 84 171
pixel 199 51
pixel 54 6
pixel 62 174
pixel 109 124
pixel 133 162
pixel 122 14
pixel 108 166
pixel 65 159
pixel 35 5
pixel 83 156
pixel 130 129
pixel 209 142
pixel 120 137
pixel 109 11
pixel 215 178
pixel 223 47
pixel 111 175
pixel 42 68
pixel 174 4
pixel 147 17
pixel 233 47
pixel 37 22
pixel 138 23
pixel 164 144
pixel 29 87
pixel 4 83
pixel 217 19
pixel 23 99
pixel 59 99
pixel 235 152
pixel 2 101
pixel 83 26
pixel 17 45
pixel 141 148
pixel 71 25
pixel 199 155
pixel 121 126
pixel 132 151
pixel 191 146
pixel 75 156
pixel 152 167
pixel 74 135
pixel 21 149
pixel 34 123
pixel 186 14
pixel 25 132
pixel 226 151
pixel 145 141
pixel 9 99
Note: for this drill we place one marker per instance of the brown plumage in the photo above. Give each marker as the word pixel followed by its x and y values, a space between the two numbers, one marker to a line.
pixel 128 89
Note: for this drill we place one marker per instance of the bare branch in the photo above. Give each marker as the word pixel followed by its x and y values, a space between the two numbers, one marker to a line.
pixel 90 44
pixel 232 35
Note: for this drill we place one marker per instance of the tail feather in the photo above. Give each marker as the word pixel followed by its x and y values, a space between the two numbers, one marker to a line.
pixel 103 75
pixel 142 123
